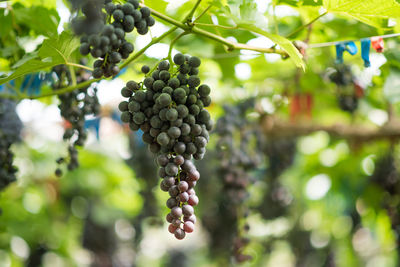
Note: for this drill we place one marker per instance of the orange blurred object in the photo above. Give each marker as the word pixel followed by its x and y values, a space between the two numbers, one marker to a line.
pixel 301 105
pixel 378 44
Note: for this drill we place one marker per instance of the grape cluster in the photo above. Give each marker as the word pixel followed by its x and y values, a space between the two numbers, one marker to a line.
pixel 240 155
pixel 348 103
pixel 280 154
pixel 10 129
pixel 343 77
pixel 74 106
pixel 386 176
pixel 169 108
pixel 103 34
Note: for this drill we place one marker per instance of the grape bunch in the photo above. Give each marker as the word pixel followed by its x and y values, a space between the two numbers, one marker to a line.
pixel 280 155
pixel 386 177
pixel 74 107
pixel 103 33
pixel 348 103
pixel 169 108
pixel 347 95
pixel 10 129
pixel 239 155
pixel 341 75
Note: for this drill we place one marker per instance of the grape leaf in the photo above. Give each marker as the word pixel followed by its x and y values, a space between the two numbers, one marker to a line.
pixel 374 13
pixel 54 51
pixel 246 16
pixel 47 24
pixel 284 43
pixel 5 22
pixel 312 3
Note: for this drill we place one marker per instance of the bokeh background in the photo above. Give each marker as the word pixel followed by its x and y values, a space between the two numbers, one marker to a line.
pixel 312 199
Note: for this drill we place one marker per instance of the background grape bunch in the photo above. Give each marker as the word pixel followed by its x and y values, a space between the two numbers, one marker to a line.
pixel 168 106
pixel 239 148
pixel 74 107
pixel 103 33
pixel 10 130
pixel 343 77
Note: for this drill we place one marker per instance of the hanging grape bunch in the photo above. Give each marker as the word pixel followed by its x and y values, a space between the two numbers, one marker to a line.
pixel 169 108
pixel 103 34
pixel 239 155
pixel 343 77
pixel 10 129
pixel 280 155
pixel 74 107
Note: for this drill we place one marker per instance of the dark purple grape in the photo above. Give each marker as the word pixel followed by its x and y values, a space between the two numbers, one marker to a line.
pixel 179 234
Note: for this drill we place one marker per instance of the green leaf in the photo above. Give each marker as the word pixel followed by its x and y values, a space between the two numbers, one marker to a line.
pixel 47 24
pixel 246 16
pixel 284 43
pixel 26 58
pixel 312 3
pixel 248 11
pixel 54 51
pixel 287 2
pixel 45 3
pixel 5 22
pixel 374 13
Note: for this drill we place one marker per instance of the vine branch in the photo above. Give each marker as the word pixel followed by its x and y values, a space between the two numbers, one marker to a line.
pixel 216 26
pixel 141 51
pixel 276 128
pixel 190 15
pixel 202 13
pixel 306 25
pixel 171 45
pixel 65 89
pixel 231 45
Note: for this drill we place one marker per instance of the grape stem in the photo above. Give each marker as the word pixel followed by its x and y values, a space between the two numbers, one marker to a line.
pixel 216 26
pixel 171 45
pixel 306 25
pixel 73 76
pixel 65 89
pixel 189 16
pixel 202 13
pixel 231 45
pixel 155 67
pixel 153 41
pixel 78 66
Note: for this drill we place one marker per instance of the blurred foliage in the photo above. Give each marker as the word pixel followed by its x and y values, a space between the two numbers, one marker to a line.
pixel 315 200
